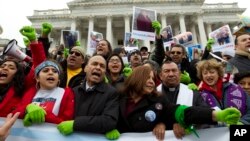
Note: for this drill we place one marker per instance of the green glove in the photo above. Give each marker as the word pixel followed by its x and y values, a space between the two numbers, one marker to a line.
pixel 185 78
pixel 113 134
pixel 157 26
pixel 36 113
pixel 228 115
pixel 210 42
pixel 239 123
pixel 106 79
pixel 193 87
pixel 78 43
pixel 127 71
pixel 65 52
pixel 66 127
pixel 26 42
pixel 29 32
pixel 27 121
pixel 46 28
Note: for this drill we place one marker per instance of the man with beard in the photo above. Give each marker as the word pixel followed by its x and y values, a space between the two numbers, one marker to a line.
pixel 73 68
pixel 96 102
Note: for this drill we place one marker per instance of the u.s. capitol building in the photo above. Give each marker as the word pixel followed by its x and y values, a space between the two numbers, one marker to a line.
pixel 114 17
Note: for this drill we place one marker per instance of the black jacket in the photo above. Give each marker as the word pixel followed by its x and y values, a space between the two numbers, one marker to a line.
pixel 136 121
pixel 97 110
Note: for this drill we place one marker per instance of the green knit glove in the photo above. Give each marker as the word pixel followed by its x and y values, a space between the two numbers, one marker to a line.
pixel 65 52
pixel 46 28
pixel 157 26
pixel 78 43
pixel 127 71
pixel 113 134
pixel 228 115
pixel 239 123
pixel 26 42
pixel 106 79
pixel 185 78
pixel 66 127
pixel 210 42
pixel 36 114
pixel 29 32
pixel 193 87
pixel 180 118
pixel 27 121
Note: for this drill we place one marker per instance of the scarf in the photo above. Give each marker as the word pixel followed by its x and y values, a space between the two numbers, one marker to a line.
pixel 242 53
pixel 218 93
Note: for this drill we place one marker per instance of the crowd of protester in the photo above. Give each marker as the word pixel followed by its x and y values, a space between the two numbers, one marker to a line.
pixel 155 91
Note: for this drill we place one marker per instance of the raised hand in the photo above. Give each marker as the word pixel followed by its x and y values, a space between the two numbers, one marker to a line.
pixel 29 32
pixel 46 29
pixel 210 42
pixel 157 26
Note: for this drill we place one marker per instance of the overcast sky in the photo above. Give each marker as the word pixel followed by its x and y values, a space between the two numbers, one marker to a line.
pixel 13 13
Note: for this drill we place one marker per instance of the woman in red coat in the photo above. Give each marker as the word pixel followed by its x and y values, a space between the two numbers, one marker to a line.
pixel 13 82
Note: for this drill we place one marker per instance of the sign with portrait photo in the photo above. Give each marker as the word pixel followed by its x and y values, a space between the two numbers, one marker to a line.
pixel 223 39
pixel 69 38
pixel 142 24
pixel 167 36
pixel 95 37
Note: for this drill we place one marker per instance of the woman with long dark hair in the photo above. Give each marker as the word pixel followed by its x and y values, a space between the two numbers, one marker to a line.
pixel 13 81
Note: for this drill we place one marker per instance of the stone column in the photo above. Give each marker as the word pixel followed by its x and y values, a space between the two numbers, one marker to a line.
pixel 163 20
pixel 109 35
pixel 201 29
pixel 73 25
pixel 127 23
pixel 91 28
pixel 194 33
pixel 182 22
pixel 176 30
pixel 209 29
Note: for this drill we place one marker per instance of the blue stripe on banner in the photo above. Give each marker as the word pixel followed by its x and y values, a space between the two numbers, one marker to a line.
pixel 42 135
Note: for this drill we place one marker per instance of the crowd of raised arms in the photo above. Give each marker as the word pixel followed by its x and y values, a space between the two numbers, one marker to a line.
pixel 155 92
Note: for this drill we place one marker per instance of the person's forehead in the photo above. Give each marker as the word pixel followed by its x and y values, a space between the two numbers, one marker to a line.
pixel 243 36
pixel 98 59
pixel 176 48
pixel 170 66
pixel 102 42
pixel 75 50
pixel 114 57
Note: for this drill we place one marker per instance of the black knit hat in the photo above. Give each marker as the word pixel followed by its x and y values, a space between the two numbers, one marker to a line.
pixel 239 76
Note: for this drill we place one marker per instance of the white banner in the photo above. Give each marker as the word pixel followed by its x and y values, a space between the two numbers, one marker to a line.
pixel 49 132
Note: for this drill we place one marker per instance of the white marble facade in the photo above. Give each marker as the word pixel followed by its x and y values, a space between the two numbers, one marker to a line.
pixel 114 17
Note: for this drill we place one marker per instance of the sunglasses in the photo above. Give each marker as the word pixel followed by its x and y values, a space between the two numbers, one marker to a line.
pixel 76 53
pixel 176 52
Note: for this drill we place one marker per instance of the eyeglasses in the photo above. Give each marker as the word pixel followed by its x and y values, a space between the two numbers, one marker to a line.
pixel 76 53
pixel 115 60
pixel 175 52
